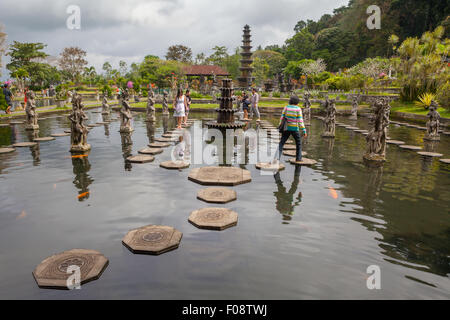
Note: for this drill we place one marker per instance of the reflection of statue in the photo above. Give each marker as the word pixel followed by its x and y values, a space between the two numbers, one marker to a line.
pixel 35 150
pixel 151 132
pixel 79 130
pixel 433 123
pixel 354 115
pixel 307 109
pixel 32 117
pixel 127 145
pixel 165 103
pixel 125 113
pixel 376 139
pixel 81 167
pixel 151 105
pixel 330 119
pixel 105 105
pixel 285 199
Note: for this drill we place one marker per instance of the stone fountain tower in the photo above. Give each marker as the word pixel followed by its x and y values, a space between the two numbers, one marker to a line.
pixel 246 79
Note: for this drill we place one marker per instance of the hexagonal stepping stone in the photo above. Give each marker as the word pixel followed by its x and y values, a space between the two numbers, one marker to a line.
pixel 68 131
pixel 217 195
pixel 151 151
pixel 220 176
pixel 396 142
pixel 4 125
pixel 102 122
pixel 430 154
pixel 57 135
pixel 16 122
pixel 24 144
pixel 269 166
pixel 44 139
pixel 290 147
pixel 6 150
pixel 159 145
pixel 152 239
pixel 304 162
pixel 170 135
pixel 52 272
pixel 214 218
pixel 141 159
pixel 175 165
pixel 446 161
pixel 409 147
pixel 293 153
pixel 166 139
pixel 352 128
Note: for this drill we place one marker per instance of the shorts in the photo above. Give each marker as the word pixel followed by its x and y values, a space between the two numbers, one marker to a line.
pixel 246 107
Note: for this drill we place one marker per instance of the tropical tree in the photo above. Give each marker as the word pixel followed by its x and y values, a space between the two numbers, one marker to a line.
pixel 72 62
pixel 90 74
pixel 179 53
pixel 217 57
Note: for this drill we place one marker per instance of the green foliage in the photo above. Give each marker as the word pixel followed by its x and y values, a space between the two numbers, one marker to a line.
pixel 443 95
pixel 3 104
pixel 155 70
pixel 275 60
pixel 108 90
pixel 321 77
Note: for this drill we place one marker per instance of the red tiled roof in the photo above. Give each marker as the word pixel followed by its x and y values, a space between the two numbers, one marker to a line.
pixel 203 70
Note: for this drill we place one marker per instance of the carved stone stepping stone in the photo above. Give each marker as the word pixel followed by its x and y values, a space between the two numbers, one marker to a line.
pixel 214 218
pixel 140 159
pixel 166 139
pixel 408 147
pixel 269 166
pixel 289 147
pixel 152 239
pixel 446 161
pixel 220 176
pixel 6 150
pixel 293 153
pixel 217 195
pixel 430 154
pixel 57 135
pixel 151 151
pixel 304 162
pixel 175 165
pixel 16 122
pixel 44 139
pixel 396 142
pixel 159 145
pixel 24 144
pixel 52 272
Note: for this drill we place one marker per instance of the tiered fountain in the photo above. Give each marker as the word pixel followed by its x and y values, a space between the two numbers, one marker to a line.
pixel 246 79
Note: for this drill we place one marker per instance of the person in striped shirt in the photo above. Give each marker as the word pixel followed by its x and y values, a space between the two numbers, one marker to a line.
pixel 294 117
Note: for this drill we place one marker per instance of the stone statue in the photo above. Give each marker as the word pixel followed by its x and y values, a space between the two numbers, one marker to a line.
pixel 433 123
pixel 32 116
pixel 105 105
pixel 376 139
pixel 307 109
pixel 125 113
pixel 151 117
pixel 354 115
pixel 165 103
pixel 79 131
pixel 330 119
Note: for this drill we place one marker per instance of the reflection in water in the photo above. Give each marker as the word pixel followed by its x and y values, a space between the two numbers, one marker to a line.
pixel 81 167
pixel 165 119
pixel 106 118
pixel 127 145
pixel 150 131
pixel 35 150
pixel 285 202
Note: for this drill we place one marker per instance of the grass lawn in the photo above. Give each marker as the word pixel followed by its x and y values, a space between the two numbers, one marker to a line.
pixel 410 107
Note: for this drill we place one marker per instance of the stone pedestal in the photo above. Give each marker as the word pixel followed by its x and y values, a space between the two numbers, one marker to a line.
pixel 32 127
pixel 80 148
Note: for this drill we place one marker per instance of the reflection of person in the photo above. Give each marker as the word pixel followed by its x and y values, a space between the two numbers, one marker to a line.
pixel 285 199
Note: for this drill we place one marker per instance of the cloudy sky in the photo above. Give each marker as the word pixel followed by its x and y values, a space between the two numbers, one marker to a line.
pixel 113 30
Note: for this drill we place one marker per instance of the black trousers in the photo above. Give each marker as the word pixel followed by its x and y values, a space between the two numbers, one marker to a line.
pixel 298 141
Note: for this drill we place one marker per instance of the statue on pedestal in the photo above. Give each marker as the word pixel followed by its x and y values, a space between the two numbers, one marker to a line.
pixel 151 117
pixel 32 116
pixel 79 131
pixel 165 103
pixel 330 119
pixel 433 123
pixel 125 113
pixel 376 139
pixel 105 105
pixel 307 109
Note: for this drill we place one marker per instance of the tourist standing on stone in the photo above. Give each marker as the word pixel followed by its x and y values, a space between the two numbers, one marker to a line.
pixel 254 103
pixel 294 118
pixel 188 105
pixel 245 104
pixel 8 97
pixel 179 105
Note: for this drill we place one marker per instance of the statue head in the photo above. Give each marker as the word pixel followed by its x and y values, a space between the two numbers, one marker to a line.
pixel 30 95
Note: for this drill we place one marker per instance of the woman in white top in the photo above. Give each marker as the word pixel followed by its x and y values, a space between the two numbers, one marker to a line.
pixel 179 106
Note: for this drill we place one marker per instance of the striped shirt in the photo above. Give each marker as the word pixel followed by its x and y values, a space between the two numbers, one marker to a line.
pixel 294 118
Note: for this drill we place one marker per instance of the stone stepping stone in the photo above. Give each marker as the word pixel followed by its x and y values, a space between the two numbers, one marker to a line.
pixel 446 161
pixel 447 133
pixel 153 240
pixel 102 122
pixel 151 151
pixel 24 144
pixel 52 272
pixel 269 166
pixel 362 131
pixel 4 125
pixel 352 128
pixel 16 122
pixel 175 165
pixel 430 154
pixel 44 139
pixel 166 139
pixel 217 195
pixel 170 135
pixel 140 159
pixel 159 145
pixel 6 150
pixel 67 131
pixel 93 125
pixel 409 147
pixel 214 218
pixel 304 162
pixel 396 142
pixel 220 176
pixel 289 147
pixel 293 153
pixel 57 135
